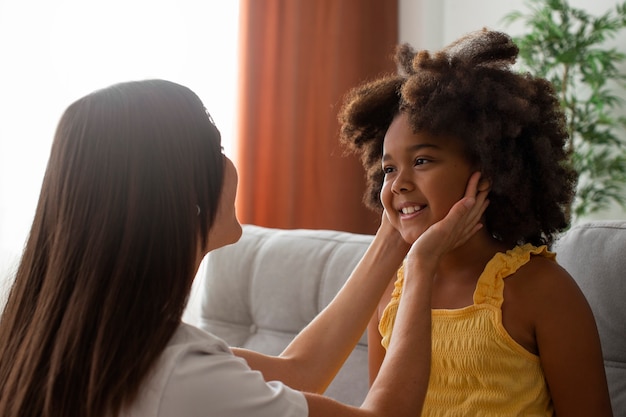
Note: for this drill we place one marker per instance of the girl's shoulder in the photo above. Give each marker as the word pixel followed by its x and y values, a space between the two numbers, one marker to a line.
pixel 540 280
pixel 541 273
pixel 540 297
pixel 544 288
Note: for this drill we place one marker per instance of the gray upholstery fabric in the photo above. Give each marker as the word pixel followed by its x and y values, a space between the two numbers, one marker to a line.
pixel 259 292
pixel 595 255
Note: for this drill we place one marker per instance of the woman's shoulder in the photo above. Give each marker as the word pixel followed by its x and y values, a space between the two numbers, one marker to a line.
pixel 198 372
pixel 187 336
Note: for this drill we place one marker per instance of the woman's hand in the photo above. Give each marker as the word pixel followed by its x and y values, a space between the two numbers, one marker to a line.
pixel 461 222
pixel 391 236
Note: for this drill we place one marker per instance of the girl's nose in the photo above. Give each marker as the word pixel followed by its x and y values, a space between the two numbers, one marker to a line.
pixel 402 183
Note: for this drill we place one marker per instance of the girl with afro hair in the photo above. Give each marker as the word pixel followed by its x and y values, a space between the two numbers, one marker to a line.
pixel 512 334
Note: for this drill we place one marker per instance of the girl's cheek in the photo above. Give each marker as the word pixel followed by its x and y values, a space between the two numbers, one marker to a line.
pixel 385 197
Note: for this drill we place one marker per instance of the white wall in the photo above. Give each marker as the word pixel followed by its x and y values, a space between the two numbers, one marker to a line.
pixel 431 24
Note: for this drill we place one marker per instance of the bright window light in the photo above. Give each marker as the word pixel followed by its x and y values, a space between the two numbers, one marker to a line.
pixel 54 52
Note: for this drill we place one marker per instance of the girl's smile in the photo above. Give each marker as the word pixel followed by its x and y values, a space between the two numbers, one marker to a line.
pixel 410 210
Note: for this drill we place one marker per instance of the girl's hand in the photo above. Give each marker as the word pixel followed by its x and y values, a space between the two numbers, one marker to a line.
pixel 461 222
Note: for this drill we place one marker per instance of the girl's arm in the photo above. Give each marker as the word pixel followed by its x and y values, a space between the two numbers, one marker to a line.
pixel 569 345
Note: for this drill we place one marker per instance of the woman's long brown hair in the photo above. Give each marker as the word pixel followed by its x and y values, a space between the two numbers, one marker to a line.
pixel 108 265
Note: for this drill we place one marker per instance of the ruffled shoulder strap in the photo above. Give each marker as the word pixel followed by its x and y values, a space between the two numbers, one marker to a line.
pixel 490 286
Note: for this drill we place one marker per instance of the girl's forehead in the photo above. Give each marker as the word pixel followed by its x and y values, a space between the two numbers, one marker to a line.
pixel 404 137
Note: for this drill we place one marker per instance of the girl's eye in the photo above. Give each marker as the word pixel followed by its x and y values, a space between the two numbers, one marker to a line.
pixel 421 161
pixel 388 169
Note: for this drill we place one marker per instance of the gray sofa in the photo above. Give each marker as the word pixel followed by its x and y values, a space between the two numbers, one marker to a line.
pixel 259 292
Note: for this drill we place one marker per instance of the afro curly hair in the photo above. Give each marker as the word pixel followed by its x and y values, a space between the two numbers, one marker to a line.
pixel 511 124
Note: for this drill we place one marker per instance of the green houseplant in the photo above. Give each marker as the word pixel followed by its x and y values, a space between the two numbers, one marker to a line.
pixel 567 46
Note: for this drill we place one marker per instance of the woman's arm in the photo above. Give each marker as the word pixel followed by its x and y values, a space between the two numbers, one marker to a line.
pixel 375 351
pixel 312 359
pixel 401 384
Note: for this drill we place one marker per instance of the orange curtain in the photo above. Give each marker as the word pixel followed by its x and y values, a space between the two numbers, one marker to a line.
pixel 298 59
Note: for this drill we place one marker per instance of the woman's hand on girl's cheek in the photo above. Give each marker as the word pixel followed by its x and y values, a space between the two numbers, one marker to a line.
pixel 390 234
pixel 461 222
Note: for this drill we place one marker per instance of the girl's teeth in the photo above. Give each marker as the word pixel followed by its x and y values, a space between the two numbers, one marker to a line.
pixel 409 210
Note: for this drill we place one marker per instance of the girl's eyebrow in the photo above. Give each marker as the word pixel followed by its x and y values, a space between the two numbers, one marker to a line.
pixel 414 148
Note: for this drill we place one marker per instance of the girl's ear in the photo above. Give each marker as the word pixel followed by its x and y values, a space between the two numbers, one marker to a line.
pixel 484 184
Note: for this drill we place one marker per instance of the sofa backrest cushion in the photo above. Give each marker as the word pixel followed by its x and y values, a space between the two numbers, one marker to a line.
pixel 261 291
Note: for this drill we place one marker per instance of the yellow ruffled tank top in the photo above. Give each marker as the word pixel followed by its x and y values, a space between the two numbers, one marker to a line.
pixel 477 369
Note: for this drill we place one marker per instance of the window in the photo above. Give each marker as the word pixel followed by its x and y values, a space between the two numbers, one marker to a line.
pixel 52 53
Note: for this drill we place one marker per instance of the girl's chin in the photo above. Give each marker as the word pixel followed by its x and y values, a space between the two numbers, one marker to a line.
pixel 412 230
pixel 410 236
